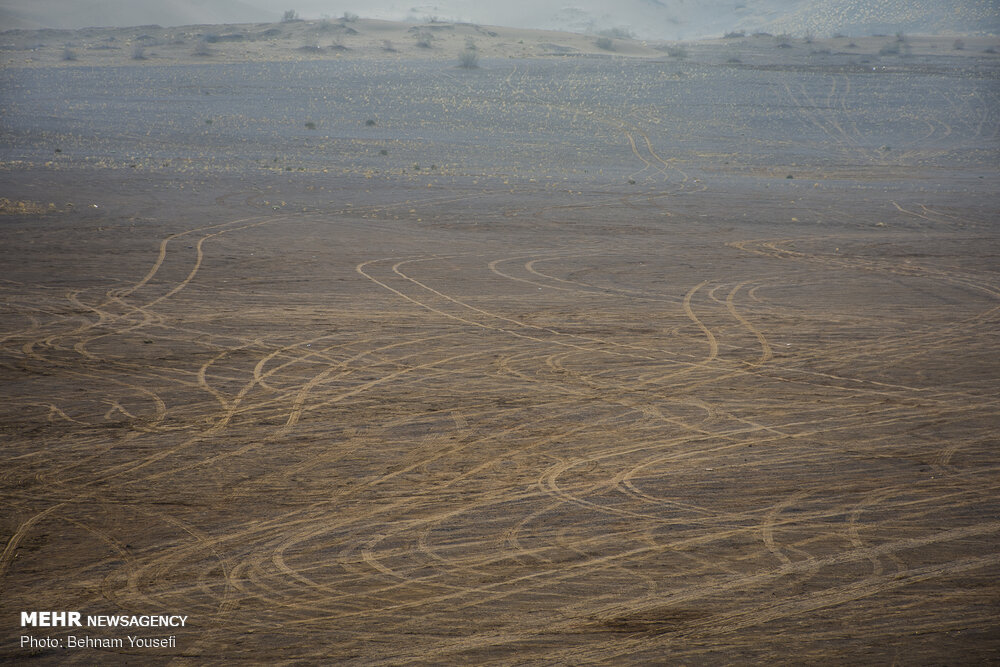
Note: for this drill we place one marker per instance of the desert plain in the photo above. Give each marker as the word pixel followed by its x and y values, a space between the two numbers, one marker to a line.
pixel 589 354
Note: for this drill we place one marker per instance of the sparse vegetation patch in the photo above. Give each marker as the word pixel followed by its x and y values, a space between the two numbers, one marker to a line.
pixel 23 207
pixel 469 57
pixel 424 39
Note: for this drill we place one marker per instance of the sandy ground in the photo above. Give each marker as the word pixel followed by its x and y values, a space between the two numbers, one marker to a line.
pixel 361 357
pixel 334 39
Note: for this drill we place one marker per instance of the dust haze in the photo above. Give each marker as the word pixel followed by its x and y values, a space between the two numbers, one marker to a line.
pixel 646 19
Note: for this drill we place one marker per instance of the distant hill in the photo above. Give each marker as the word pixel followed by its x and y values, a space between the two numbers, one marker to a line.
pixel 690 19
pixel 646 19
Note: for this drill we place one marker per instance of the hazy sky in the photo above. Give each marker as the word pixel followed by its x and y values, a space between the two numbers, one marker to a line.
pixel 647 19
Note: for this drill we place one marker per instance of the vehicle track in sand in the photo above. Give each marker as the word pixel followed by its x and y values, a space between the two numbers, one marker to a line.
pixel 508 411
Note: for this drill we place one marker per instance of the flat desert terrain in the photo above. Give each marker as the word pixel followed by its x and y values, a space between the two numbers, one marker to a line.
pixel 649 354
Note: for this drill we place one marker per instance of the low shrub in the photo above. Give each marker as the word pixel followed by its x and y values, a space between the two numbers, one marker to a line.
pixel 424 39
pixel 469 58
